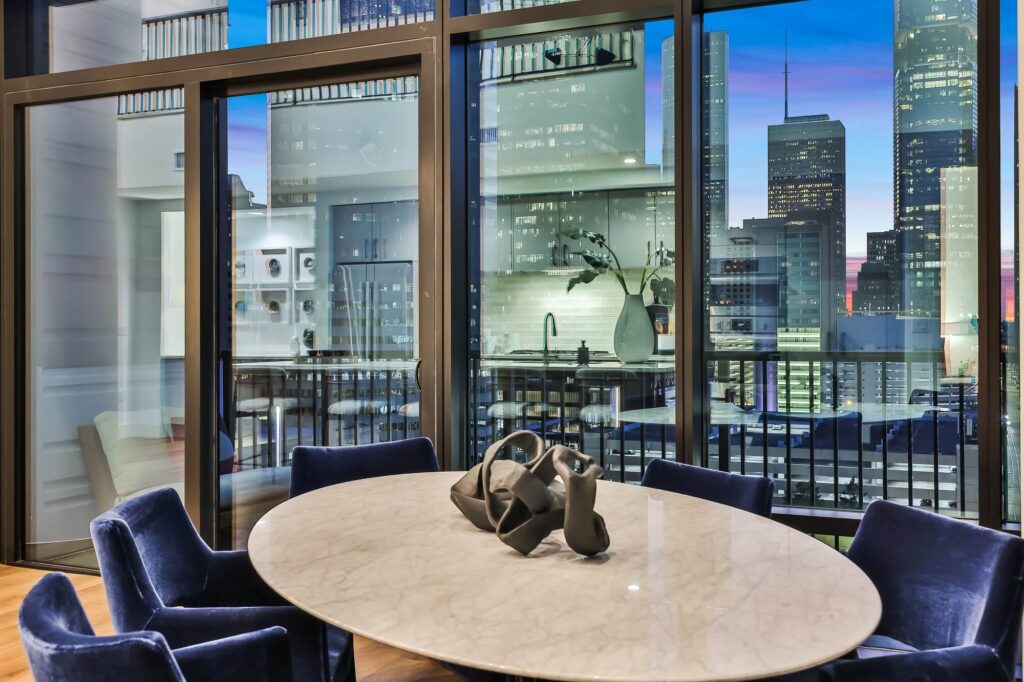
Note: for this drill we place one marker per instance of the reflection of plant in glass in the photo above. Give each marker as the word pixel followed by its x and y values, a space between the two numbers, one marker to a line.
pixel 848 496
pixel 802 494
pixel 602 259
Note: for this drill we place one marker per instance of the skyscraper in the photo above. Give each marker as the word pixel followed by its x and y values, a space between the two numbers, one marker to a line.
pixel 935 89
pixel 715 138
pixel 877 288
pixel 807 171
pixel 720 246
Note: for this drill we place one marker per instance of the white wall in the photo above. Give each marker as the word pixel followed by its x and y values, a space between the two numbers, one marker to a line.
pixel 96 33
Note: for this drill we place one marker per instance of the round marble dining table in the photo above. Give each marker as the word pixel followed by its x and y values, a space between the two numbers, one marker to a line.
pixel 689 589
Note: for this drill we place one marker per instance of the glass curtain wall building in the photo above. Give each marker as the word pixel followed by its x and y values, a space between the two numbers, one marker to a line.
pixel 231 228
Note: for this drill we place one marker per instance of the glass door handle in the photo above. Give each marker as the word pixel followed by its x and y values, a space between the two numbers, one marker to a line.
pixel 419 368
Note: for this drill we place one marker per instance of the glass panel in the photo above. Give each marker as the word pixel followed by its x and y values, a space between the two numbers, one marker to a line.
pixel 1009 254
pixel 324 281
pixel 105 218
pixel 78 35
pixel 574 208
pixel 842 284
pixel 488 6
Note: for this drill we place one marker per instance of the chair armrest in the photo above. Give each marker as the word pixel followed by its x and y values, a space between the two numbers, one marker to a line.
pixel 183 627
pixel 232 581
pixel 261 656
pixel 955 664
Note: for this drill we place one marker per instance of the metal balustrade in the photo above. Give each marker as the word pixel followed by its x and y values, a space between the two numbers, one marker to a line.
pixel 840 430
pixel 834 430
pixel 187 33
pixel 299 19
pixel 277 407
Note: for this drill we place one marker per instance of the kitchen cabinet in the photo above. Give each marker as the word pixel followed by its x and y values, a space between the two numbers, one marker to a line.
pixel 353 230
pixel 368 233
pixel 398 231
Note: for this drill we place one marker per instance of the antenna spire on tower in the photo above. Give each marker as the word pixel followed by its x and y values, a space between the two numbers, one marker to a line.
pixel 786 72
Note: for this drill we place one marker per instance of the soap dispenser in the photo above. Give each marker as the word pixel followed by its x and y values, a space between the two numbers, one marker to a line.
pixel 583 354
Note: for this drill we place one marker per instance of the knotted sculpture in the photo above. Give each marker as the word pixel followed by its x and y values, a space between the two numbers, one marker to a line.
pixel 523 503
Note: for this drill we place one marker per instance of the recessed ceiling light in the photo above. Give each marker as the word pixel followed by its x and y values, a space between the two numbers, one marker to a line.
pixel 629 160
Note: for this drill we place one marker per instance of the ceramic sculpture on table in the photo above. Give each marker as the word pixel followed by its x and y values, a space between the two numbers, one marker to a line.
pixel 523 503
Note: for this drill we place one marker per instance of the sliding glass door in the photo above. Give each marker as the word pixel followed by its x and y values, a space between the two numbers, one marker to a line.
pixel 323 281
pixel 572 243
pixel 104 339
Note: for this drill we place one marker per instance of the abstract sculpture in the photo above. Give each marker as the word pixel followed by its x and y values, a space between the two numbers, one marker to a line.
pixel 523 503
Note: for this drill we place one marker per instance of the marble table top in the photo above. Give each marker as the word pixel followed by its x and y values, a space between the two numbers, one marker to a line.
pixel 689 590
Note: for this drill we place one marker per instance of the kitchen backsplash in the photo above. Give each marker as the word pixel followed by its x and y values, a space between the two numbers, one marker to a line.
pixel 514 306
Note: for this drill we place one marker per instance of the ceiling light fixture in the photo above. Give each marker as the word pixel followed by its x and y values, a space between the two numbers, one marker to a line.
pixel 601 56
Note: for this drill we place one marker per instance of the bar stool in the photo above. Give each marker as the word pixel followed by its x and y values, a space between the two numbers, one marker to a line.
pixel 269 409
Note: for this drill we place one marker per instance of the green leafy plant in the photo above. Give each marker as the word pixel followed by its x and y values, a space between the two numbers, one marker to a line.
pixel 601 259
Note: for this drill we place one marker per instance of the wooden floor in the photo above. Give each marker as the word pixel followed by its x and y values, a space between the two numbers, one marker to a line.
pixel 374 662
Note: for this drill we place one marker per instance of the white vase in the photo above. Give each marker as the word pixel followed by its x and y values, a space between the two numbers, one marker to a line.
pixel 634 335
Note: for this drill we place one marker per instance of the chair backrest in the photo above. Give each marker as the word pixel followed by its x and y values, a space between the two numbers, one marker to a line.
pixel 60 643
pixel 749 493
pixel 943 582
pixel 150 555
pixel 314 468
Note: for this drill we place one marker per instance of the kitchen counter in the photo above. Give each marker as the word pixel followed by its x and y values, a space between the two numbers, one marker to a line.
pixel 610 365
pixel 503 362
pixel 320 366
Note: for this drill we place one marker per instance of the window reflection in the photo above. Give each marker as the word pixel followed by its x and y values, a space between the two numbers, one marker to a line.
pixel 324 281
pixel 81 35
pixel 576 222
pixel 105 344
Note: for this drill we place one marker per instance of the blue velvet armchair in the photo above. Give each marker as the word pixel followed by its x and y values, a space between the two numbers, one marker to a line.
pixel 61 645
pixel 952 596
pixel 314 468
pixel 749 493
pixel 153 560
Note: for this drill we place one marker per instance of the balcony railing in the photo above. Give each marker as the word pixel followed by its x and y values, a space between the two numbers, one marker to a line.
pixel 279 405
pixel 834 431
pixel 840 430
pixel 186 33
pixel 298 19
pixel 175 35
pixel 531 60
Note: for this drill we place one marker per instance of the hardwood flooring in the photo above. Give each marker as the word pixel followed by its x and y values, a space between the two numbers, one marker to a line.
pixel 374 662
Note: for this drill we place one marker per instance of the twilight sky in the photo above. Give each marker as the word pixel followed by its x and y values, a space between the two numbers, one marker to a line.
pixel 841 59
pixel 840 56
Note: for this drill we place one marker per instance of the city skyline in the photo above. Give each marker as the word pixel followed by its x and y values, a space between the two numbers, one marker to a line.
pixel 824 79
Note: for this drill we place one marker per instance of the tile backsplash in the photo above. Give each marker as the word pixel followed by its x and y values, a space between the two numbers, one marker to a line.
pixel 514 306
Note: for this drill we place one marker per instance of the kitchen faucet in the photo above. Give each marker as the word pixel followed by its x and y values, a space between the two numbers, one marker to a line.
pixel 554 330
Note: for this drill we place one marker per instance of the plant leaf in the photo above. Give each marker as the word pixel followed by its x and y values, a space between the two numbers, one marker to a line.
pixel 599 261
pixel 585 277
